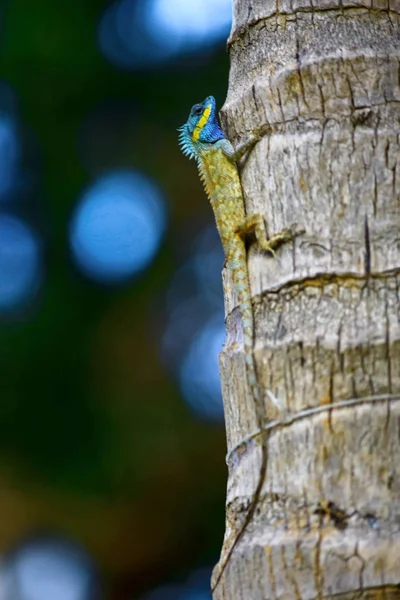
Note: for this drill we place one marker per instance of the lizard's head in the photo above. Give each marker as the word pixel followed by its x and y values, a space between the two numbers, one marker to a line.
pixel 202 127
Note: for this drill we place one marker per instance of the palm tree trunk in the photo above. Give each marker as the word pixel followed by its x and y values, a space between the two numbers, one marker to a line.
pixel 326 78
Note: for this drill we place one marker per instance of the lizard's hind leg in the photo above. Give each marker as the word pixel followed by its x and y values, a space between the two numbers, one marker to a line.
pixel 256 223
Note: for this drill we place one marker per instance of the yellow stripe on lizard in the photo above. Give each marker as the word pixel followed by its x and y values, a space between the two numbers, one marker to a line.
pixel 203 120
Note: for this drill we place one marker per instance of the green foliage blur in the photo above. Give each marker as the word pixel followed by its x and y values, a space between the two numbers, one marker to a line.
pixel 96 442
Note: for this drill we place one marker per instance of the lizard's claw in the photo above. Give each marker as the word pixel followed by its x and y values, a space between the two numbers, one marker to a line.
pixel 286 235
pixel 270 248
pixel 296 229
pixel 292 232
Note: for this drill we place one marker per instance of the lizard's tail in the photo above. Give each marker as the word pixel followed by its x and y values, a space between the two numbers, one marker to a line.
pixel 241 284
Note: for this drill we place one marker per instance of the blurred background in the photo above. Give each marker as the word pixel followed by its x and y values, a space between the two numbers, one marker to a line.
pixel 112 445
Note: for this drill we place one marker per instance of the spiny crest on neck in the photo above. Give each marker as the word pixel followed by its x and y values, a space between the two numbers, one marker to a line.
pixel 186 143
pixel 202 128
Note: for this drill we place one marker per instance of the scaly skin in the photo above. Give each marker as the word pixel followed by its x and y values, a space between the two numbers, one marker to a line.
pixel 202 138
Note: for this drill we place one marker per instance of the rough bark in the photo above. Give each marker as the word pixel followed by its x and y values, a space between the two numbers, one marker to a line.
pixel 326 77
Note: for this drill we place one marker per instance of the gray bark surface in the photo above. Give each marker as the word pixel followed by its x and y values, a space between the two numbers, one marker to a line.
pixel 325 76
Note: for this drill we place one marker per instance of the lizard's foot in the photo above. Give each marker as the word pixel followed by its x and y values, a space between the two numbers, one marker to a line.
pixel 286 235
pixel 250 141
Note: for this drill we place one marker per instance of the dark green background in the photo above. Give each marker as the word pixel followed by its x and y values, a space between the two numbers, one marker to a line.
pixel 95 441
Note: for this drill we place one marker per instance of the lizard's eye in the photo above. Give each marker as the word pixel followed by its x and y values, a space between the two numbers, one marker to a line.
pixel 197 110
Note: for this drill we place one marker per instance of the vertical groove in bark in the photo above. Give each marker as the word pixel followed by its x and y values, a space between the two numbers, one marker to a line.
pixel 325 76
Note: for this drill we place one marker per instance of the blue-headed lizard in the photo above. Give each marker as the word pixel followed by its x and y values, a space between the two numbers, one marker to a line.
pixel 202 138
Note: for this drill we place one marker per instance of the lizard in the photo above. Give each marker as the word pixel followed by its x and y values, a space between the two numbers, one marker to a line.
pixel 202 138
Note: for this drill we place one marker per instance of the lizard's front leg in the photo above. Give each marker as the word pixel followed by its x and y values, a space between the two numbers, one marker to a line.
pixel 256 223
pixel 245 147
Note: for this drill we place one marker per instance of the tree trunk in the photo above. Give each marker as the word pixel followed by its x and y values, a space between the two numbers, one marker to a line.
pixel 326 78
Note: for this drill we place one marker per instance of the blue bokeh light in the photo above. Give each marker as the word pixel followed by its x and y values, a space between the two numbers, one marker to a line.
pixel 187 22
pixel 199 371
pixel 140 34
pixel 208 260
pixel 125 40
pixel 118 226
pixel 194 328
pixel 20 263
pixel 9 155
pixel 47 570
